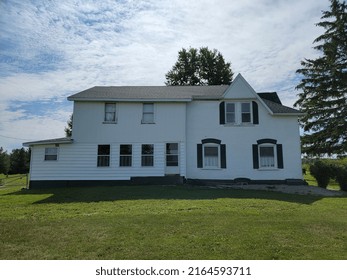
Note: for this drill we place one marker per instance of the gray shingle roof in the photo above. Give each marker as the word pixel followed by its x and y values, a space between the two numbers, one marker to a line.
pixel 272 96
pixel 280 109
pixel 149 92
pixel 172 93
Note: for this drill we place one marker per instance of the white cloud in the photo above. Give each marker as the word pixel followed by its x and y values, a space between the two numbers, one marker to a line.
pixel 53 49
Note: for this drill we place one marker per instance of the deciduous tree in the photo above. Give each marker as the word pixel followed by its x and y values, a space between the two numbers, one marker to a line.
pixel 199 67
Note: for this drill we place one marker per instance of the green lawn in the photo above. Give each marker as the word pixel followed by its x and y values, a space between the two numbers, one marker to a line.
pixel 178 222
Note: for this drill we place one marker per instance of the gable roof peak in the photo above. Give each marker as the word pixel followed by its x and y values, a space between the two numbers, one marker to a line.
pixel 240 88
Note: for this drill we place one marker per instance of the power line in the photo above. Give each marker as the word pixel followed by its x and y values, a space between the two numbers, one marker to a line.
pixel 9 137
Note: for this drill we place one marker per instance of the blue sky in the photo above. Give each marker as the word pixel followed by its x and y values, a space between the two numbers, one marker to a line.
pixel 52 49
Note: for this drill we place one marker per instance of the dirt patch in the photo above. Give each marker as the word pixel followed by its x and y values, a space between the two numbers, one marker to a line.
pixel 300 189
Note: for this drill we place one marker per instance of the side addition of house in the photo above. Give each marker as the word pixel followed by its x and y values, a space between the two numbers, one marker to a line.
pixel 154 134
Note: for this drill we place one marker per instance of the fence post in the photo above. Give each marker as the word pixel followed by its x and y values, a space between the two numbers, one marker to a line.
pixel 27 181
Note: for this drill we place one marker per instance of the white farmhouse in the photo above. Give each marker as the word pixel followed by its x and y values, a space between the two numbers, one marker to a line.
pixel 158 134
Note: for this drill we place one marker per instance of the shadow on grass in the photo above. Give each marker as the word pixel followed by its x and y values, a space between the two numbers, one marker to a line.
pixel 98 194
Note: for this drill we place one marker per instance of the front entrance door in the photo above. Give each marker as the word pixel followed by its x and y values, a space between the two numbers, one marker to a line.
pixel 172 159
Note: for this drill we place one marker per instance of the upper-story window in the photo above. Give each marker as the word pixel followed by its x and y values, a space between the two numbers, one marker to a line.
pixel 230 113
pixel 237 113
pixel 110 113
pixel 246 115
pixel 148 113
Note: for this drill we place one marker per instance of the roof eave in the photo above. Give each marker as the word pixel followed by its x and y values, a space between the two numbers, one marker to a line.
pixel 130 99
pixel 48 142
pixel 299 114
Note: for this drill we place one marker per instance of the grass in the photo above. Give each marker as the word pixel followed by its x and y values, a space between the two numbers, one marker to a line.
pixel 177 222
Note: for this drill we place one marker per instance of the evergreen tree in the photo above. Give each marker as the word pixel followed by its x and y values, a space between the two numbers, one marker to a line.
pixel 4 161
pixel 199 67
pixel 68 129
pixel 19 161
pixel 324 87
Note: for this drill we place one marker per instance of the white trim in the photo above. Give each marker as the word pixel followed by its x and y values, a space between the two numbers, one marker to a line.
pixel 48 142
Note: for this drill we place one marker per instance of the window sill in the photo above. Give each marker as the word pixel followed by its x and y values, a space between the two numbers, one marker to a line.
pixel 147 122
pixel 268 169
pixel 106 122
pixel 211 168
pixel 240 124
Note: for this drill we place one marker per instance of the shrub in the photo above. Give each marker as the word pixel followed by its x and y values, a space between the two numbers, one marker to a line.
pixel 340 174
pixel 322 172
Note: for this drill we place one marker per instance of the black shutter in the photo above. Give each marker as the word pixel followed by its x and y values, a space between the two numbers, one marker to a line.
pixel 255 156
pixel 222 113
pixel 199 155
pixel 255 112
pixel 223 156
pixel 279 156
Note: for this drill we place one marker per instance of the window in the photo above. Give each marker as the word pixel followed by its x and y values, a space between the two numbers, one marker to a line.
pixel 103 155
pixel 211 156
pixel 172 154
pixel 267 156
pixel 110 112
pixel 230 112
pixel 246 112
pixel 238 113
pixel 51 153
pixel 125 158
pixel 148 113
pixel 147 155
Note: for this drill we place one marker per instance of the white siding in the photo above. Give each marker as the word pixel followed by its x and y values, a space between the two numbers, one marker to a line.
pixel 203 122
pixel 78 161
pixel 89 126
